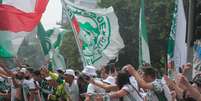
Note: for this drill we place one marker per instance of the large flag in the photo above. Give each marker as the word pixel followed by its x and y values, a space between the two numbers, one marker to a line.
pixel 18 19
pixel 15 19
pixel 96 32
pixel 144 56
pixel 177 48
pixel 180 50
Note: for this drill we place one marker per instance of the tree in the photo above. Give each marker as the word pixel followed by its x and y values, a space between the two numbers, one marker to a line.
pixel 70 51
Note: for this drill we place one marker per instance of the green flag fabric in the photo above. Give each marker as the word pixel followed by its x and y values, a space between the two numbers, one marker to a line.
pixel 5 45
pixel 96 32
pixel 171 39
pixel 51 42
pixel 40 45
pixel 171 44
pixel 144 55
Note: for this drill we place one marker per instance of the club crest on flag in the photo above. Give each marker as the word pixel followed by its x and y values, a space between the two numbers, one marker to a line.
pixel 93 31
pixel 96 32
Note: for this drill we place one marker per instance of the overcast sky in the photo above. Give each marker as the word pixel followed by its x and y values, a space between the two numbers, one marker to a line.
pixel 52 14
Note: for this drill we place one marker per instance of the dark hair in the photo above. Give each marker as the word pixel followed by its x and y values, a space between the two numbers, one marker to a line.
pixel 122 79
pixel 149 71
pixel 109 68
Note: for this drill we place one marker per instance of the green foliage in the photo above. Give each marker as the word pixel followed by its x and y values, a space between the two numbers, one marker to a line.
pixel 70 51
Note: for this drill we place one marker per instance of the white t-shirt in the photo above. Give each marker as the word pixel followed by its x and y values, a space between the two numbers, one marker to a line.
pixel 73 90
pixel 29 83
pixel 95 89
pixel 133 82
pixel 13 90
pixel 132 93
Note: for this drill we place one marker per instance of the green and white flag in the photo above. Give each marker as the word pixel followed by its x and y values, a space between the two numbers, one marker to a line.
pixel 96 32
pixel 177 47
pixel 51 42
pixel 171 39
pixel 144 56
pixel 40 45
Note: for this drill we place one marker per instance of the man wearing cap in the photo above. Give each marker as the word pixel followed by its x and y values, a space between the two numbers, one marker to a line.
pixel 71 85
pixel 89 73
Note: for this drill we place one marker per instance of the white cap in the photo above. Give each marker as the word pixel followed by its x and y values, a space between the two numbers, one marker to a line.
pixel 23 70
pixel 89 71
pixel 110 80
pixel 70 72
pixel 48 78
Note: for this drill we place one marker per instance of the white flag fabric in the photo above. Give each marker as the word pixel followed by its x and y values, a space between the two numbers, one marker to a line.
pixel 180 50
pixel 96 32
pixel 87 3
pixel 24 5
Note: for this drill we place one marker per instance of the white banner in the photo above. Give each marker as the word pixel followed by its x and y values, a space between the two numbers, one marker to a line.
pixel 96 32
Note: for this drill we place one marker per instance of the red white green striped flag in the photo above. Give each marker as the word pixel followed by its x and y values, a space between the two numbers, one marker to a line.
pixel 18 19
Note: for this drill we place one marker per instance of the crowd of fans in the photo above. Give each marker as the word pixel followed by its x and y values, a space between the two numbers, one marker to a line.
pixel 128 84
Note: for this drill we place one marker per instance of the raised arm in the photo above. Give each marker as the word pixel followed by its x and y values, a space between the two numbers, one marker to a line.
pixel 131 70
pixel 104 86
pixel 118 94
pixel 194 92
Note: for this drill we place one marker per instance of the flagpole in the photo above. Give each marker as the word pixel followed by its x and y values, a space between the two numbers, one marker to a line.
pixel 78 43
pixel 76 38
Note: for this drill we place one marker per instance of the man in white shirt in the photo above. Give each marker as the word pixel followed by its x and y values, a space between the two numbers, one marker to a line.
pixel 71 86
